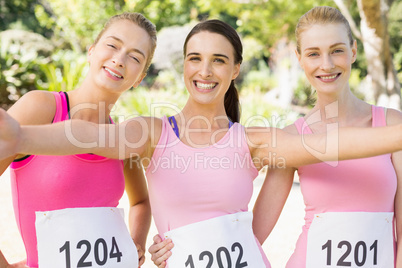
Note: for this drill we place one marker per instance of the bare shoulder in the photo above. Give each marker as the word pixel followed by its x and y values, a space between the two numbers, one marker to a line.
pixel 291 129
pixel 35 108
pixel 393 117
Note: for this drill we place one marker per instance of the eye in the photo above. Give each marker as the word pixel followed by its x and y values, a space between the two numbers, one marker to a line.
pixel 194 59
pixel 338 50
pixel 135 58
pixel 111 45
pixel 313 54
pixel 219 60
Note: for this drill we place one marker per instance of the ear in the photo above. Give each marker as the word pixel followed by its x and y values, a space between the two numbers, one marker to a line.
pixel 354 51
pixel 138 82
pixel 236 71
pixel 299 59
pixel 90 50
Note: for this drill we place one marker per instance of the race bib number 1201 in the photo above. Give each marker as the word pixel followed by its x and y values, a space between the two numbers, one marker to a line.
pixel 84 237
pixel 226 241
pixel 351 239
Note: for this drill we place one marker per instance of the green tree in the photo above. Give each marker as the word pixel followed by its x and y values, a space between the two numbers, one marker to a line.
pixel 384 87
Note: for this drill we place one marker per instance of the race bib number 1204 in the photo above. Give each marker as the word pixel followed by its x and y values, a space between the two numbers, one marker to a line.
pixel 84 237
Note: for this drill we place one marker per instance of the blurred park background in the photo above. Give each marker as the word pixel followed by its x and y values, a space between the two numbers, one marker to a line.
pixel 43 45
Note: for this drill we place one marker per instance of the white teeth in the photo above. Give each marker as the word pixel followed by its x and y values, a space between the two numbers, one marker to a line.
pixel 112 73
pixel 329 77
pixel 205 86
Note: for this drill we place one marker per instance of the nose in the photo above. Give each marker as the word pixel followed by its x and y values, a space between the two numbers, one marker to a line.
pixel 327 63
pixel 206 70
pixel 118 59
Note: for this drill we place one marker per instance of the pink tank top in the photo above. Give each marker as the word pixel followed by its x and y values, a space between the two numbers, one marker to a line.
pixel 43 183
pixel 367 184
pixel 188 185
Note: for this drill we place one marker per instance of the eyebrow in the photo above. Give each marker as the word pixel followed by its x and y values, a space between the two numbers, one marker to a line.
pixel 121 41
pixel 197 54
pixel 334 45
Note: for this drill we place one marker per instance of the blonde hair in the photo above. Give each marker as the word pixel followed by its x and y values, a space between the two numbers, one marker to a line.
pixel 321 15
pixel 139 20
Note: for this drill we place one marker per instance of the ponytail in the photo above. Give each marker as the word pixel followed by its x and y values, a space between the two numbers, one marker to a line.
pixel 232 103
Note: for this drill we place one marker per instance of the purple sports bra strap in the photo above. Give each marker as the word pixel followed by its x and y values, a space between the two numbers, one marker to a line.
pixel 173 123
pixel 175 128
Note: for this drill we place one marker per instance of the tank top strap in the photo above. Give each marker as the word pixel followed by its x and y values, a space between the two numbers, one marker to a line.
pixel 302 126
pixel 378 116
pixel 62 106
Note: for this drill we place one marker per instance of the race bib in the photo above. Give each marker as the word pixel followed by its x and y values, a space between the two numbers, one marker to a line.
pixel 226 241
pixel 84 237
pixel 351 239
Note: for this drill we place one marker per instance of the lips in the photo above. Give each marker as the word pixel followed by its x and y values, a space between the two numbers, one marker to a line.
pixel 205 86
pixel 328 78
pixel 113 73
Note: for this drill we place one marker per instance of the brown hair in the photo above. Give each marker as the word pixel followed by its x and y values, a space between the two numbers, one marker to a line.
pixel 139 20
pixel 232 104
pixel 321 15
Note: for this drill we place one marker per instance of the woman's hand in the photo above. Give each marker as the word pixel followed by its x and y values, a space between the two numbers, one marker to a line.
pixel 160 251
pixel 141 255
pixel 21 264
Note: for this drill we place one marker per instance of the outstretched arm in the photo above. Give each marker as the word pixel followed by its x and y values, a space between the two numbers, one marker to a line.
pixel 276 147
pixel 76 137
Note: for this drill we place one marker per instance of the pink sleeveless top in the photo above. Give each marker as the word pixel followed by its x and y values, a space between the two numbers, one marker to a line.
pixel 188 185
pixel 367 185
pixel 43 183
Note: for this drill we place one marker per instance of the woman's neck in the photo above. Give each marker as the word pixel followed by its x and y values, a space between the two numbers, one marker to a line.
pixel 202 116
pixel 344 108
pixel 90 106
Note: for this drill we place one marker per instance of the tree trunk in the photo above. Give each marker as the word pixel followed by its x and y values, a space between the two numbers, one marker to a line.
pixel 385 88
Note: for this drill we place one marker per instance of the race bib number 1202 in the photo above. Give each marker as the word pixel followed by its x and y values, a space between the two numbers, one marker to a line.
pixel 226 241
pixel 84 237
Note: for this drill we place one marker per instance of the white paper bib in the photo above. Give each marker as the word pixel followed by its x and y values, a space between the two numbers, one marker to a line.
pixel 84 237
pixel 351 239
pixel 226 241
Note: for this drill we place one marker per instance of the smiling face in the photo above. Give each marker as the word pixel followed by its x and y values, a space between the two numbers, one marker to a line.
pixel 209 67
pixel 326 56
pixel 118 59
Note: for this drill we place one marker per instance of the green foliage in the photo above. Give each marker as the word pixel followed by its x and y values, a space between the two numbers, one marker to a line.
pixel 77 22
pixel 19 64
pixel 395 31
pixel 18 14
pixel 142 101
pixel 256 110
pixel 64 73
pixel 259 79
pixel 165 13
pixel 304 94
pixel 266 21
